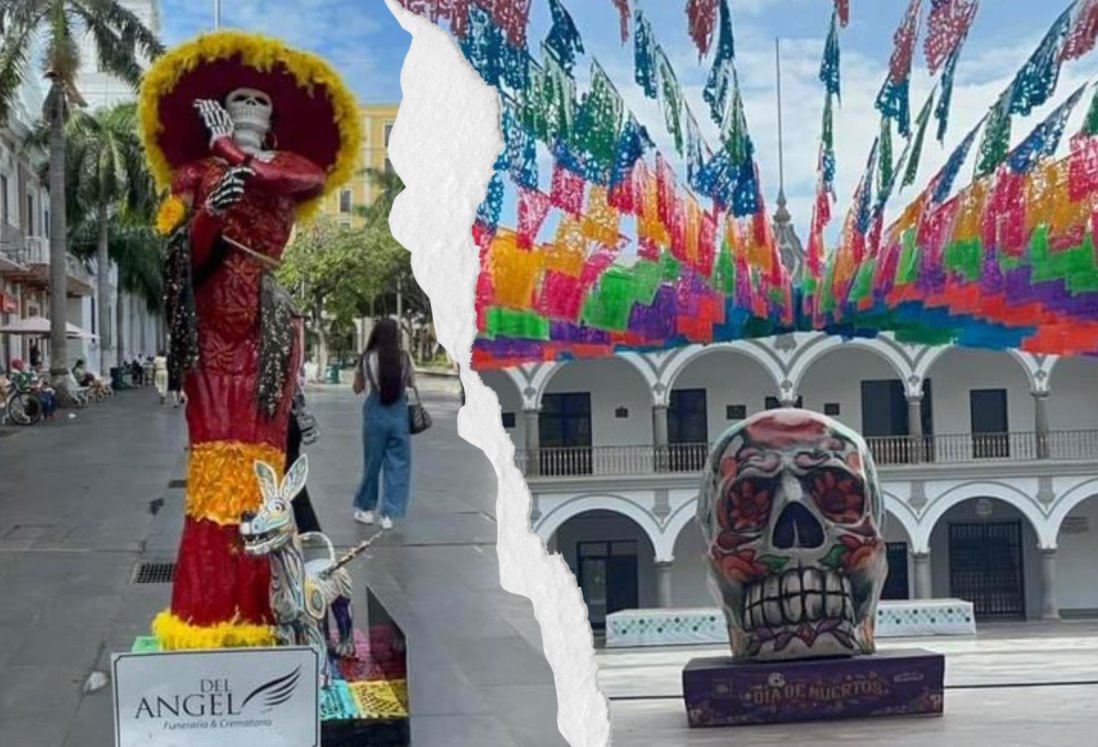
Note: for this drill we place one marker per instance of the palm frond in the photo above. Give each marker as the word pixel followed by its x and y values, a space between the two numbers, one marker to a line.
pixel 14 56
pixel 120 37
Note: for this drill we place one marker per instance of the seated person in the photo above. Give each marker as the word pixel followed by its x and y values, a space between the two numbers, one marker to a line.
pixel 137 372
pixel 80 373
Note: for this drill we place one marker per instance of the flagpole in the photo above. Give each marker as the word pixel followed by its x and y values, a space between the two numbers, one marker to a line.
pixel 217 15
pixel 781 141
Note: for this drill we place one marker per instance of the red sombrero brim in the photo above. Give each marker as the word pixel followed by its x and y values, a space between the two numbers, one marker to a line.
pixel 303 121
pixel 315 115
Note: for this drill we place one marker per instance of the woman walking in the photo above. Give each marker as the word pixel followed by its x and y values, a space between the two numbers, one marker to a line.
pixel 383 373
pixel 175 385
pixel 160 375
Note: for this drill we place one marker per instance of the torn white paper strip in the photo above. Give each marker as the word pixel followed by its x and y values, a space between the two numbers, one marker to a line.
pixel 443 145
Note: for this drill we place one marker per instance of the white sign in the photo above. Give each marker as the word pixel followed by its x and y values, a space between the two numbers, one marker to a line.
pixel 251 696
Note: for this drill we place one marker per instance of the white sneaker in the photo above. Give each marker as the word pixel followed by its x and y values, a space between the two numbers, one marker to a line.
pixel 386 522
pixel 364 517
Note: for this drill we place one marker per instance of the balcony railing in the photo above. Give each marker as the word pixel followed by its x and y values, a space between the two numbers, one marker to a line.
pixel 891 451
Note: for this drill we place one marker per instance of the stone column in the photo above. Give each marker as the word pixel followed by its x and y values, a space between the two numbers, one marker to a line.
pixel 663 583
pixel 1040 417
pixel 1049 610
pixel 659 437
pixel 921 563
pixel 533 440
pixel 915 428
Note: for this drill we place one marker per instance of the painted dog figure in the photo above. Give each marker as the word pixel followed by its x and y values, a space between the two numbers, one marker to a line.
pixel 301 593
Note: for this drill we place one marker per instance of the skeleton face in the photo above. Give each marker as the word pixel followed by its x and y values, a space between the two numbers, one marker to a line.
pixel 250 110
pixel 792 513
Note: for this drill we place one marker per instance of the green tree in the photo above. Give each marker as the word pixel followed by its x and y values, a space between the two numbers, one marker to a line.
pixel 336 272
pixel 138 252
pixel 121 41
pixel 401 294
pixel 109 186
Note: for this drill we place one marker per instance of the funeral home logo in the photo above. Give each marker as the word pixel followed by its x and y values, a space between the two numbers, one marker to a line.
pixel 214 704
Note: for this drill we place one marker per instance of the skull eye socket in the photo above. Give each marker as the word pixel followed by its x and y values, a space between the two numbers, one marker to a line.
pixel 839 495
pixel 747 503
pixel 238 98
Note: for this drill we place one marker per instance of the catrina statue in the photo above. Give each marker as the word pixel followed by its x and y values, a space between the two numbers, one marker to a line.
pixel 792 515
pixel 245 136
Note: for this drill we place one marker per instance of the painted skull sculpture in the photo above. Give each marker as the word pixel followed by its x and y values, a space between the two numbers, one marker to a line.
pixel 792 513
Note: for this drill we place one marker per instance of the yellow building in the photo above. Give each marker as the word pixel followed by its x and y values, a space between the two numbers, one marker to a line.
pixel 377 123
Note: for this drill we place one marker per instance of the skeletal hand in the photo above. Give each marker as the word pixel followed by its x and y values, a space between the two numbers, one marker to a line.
pixel 217 120
pixel 228 190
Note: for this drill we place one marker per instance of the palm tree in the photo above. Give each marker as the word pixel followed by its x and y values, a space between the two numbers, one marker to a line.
pixel 107 182
pixel 121 41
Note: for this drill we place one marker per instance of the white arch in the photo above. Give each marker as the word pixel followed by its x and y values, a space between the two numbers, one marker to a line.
pixel 541 382
pixel 821 347
pixel 673 527
pixel 551 521
pixel 901 511
pixel 956 495
pixel 1070 500
pixel 689 355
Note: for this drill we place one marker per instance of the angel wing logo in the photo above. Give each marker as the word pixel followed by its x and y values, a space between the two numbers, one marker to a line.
pixel 275 692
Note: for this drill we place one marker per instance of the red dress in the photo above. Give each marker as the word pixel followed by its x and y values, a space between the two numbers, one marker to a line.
pixel 215 582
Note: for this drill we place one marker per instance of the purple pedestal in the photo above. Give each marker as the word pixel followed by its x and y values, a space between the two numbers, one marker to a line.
pixel 720 692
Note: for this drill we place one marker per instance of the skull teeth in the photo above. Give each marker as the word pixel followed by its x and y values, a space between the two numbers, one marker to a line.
pixel 804 595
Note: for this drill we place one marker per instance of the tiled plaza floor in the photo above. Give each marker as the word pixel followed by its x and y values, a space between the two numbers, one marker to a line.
pixel 82 501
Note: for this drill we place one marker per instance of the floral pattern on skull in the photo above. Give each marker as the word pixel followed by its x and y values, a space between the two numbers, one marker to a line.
pixel 792 516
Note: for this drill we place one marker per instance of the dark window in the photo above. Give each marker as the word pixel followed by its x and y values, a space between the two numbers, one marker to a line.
pixel 896 584
pixel 621 413
pixel 564 432
pixel 832 409
pixel 773 403
pixel 687 429
pixel 30 215
pixel 884 408
pixel 46 223
pixel 345 201
pixel 687 417
pixel 4 212
pixel 508 420
pixel 990 429
pixel 607 575
pixel 388 132
pixel 735 412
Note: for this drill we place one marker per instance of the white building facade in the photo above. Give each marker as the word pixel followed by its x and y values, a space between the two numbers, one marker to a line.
pixel 989 463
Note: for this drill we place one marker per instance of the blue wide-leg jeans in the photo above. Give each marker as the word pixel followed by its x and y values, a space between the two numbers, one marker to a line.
pixel 387 449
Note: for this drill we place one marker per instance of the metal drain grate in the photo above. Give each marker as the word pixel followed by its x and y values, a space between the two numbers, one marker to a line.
pixel 159 572
pixel 177 483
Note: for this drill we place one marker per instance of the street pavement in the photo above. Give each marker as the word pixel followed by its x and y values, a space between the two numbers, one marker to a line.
pixel 84 500
pixel 1017 685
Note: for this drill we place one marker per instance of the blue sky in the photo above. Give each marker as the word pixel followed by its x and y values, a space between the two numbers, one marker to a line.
pixel 365 42
pixel 360 37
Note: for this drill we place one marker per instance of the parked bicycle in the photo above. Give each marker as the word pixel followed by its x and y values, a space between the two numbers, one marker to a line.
pixel 22 405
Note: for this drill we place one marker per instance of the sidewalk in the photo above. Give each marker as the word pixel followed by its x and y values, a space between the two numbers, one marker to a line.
pixel 72 531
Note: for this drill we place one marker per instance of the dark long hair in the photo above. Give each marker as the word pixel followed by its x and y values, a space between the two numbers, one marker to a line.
pixel 385 341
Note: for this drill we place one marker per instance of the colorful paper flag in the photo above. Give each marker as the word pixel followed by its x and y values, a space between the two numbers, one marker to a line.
pixel 829 66
pixel 719 83
pixel 892 101
pixel 1084 30
pixel 563 40
pixel 947 27
pixel 996 140
pixel 1036 81
pixel 1045 138
pixel 644 57
pixel 702 18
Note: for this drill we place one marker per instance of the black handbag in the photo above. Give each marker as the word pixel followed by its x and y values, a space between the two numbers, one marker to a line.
pixel 419 419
